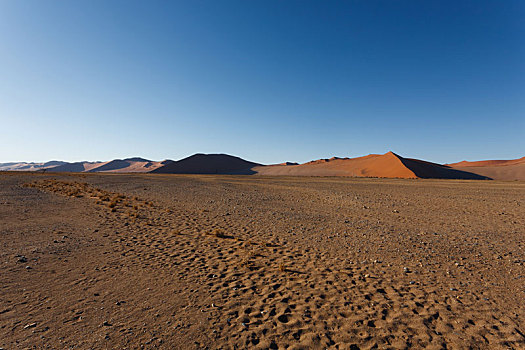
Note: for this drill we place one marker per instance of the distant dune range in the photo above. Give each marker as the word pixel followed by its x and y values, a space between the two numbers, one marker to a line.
pixel 388 165
pixel 128 165
pixel 495 169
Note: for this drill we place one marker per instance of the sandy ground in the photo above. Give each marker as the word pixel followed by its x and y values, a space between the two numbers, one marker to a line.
pixel 229 262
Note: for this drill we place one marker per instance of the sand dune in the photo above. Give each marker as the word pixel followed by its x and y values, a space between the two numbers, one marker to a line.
pixel 483 163
pixel 77 167
pixel 208 164
pixel 388 165
pixel 128 165
pixel 506 170
pixel 374 165
pixel 25 166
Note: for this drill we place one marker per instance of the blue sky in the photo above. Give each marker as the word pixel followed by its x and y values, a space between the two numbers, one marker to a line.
pixel 269 81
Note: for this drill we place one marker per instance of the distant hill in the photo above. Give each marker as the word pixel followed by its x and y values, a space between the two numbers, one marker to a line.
pixel 208 164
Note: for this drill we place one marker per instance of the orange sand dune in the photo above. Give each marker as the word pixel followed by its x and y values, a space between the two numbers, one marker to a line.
pixel 388 165
pixel 488 163
pixel 505 170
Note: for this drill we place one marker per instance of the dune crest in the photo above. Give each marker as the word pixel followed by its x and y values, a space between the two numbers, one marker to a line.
pixel 388 165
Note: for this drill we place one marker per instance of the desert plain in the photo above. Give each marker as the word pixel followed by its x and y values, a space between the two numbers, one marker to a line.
pixel 143 261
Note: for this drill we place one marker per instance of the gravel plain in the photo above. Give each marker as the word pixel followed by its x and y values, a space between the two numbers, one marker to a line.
pixel 233 262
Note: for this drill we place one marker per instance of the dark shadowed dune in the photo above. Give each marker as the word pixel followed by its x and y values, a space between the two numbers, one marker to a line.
pixel 208 164
pixel 428 170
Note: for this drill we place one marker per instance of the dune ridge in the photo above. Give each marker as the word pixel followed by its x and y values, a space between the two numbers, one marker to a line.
pixel 483 163
pixel 388 165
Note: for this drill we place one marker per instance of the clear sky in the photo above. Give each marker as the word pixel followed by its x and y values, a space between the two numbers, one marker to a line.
pixel 269 81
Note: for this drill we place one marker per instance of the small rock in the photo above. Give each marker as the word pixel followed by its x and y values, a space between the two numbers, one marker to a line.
pixel 28 267
pixel 30 325
pixel 22 259
pixel 406 269
pixel 106 324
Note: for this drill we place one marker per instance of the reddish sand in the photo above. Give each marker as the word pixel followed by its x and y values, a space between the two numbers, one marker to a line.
pixel 484 163
pixel 505 170
pixel 374 165
pixel 388 165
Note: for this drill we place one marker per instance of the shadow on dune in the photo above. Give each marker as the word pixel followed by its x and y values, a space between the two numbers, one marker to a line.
pixel 427 170
pixel 69 167
pixel 113 165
